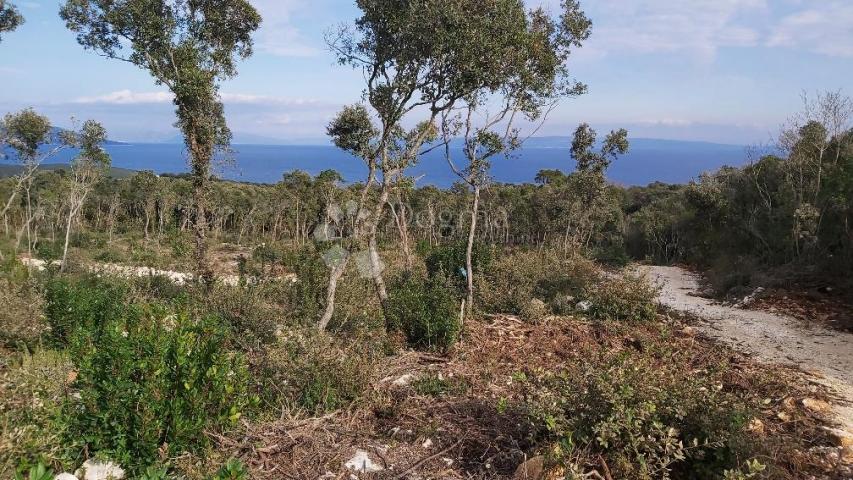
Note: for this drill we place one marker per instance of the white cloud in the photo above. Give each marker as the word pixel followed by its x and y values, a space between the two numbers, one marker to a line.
pixel 702 27
pixel 826 29
pixel 127 97
pixel 698 27
pixel 278 35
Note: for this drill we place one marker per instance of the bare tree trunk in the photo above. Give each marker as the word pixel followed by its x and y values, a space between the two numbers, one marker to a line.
pixel 67 237
pixel 373 249
pixel 469 249
pixel 201 156
pixel 335 276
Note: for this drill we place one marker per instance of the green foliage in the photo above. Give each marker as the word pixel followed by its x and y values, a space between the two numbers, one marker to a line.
pixel 305 298
pixel 630 299
pixel 649 419
pixel 10 18
pixel 34 388
pixel 437 385
pixel 75 308
pixel 49 251
pixel 155 473
pixel 25 131
pixel 232 470
pixel 426 311
pixel 38 472
pixel 448 261
pixel 148 378
pixel 516 278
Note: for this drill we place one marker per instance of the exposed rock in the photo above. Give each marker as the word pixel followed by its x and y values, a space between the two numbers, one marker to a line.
pixel 816 406
pixel 688 331
pixel 99 470
pixel 532 469
pixel 846 455
pixel 65 476
pixel 404 380
pixel 584 306
pixel 361 462
pixel 756 426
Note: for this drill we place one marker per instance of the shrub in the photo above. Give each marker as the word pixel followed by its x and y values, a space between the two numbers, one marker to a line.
pixel 251 317
pixel 155 380
pixel 22 323
pixel 629 298
pixel 83 306
pixel 426 311
pixel 311 370
pixel 648 419
pixel 150 381
pixel 33 389
pixel 448 261
pixel 307 295
pixel 49 250
pixel 514 279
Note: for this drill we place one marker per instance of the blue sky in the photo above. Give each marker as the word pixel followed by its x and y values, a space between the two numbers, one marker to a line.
pixel 726 71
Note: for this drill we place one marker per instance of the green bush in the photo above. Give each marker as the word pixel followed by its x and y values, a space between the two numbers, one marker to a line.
pixel 448 261
pixel 516 278
pixel 49 250
pixel 648 419
pixel 426 311
pixel 306 297
pixel 150 381
pixel 630 298
pixel 84 306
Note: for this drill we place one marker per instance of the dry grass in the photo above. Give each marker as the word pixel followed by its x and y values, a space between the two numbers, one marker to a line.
pixel 482 431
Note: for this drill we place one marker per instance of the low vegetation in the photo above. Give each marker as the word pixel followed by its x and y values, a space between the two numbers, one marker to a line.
pixel 183 327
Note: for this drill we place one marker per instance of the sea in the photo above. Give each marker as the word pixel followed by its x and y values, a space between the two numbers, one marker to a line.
pixel 649 160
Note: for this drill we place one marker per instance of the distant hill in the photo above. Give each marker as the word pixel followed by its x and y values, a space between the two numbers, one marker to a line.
pixel 12 170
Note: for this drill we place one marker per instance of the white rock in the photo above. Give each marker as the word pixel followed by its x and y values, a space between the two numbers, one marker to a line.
pixel 427 443
pixel 361 462
pixel 100 470
pixel 584 306
pixel 65 476
pixel 404 380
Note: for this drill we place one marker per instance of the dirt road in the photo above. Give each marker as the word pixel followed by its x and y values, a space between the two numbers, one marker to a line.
pixel 770 337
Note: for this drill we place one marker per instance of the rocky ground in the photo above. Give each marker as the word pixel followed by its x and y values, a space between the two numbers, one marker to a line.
pixel 771 337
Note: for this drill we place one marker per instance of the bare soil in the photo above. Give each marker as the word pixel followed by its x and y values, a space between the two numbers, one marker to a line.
pixel 770 337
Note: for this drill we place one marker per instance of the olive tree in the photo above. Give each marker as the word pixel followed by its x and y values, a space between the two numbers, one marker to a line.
pixel 10 18
pixel 419 59
pixel 187 46
pixel 86 169
pixel 532 81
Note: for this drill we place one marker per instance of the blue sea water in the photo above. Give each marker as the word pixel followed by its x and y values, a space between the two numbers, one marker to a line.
pixel 648 161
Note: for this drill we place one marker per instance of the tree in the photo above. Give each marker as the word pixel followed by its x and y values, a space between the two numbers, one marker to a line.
pixel 529 84
pixel 417 58
pixel 188 46
pixel 10 18
pixel 30 136
pixel 589 183
pixel 86 169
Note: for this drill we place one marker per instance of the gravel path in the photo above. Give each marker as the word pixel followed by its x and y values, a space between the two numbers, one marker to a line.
pixel 772 338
